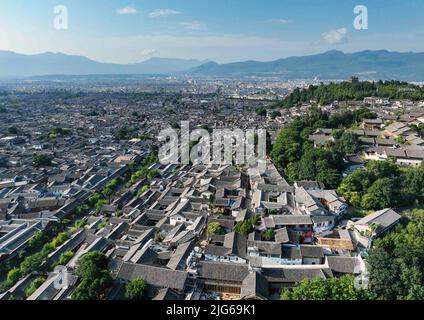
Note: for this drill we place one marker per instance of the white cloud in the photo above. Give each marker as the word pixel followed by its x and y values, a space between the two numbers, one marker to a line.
pixel 163 13
pixel 147 52
pixel 127 10
pixel 193 25
pixel 282 21
pixel 335 36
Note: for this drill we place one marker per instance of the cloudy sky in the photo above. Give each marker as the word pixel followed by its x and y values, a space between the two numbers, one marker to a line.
pixel 131 31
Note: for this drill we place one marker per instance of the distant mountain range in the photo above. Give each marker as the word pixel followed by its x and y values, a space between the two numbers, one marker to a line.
pixel 380 64
pixel 334 64
pixel 20 65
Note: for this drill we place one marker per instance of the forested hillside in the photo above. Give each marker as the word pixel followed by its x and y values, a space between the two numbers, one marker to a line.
pixel 356 90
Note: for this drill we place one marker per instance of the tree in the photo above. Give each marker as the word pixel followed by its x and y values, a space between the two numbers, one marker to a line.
pixel 215 228
pixel 99 205
pixel 413 183
pixel 275 114
pixel 58 132
pixel 65 258
pixel 34 286
pixel 397 260
pixel 175 125
pixel 261 112
pixel 384 278
pixel 327 93
pixel 94 199
pixel 82 209
pixel 331 178
pixel 92 268
pixel 382 169
pixel 136 289
pixel 382 194
pixel 60 239
pixel 268 235
pixel 292 172
pixel 348 143
pixel 91 289
pixel 320 162
pixel 125 133
pixel 13 276
pixel 354 185
pixel 153 174
pixel 91 264
pixel 244 227
pixel 383 184
pixel 110 188
pixel 33 263
pixel 40 160
pixel 79 224
pixel 36 240
pixel 400 140
pixel 325 289
pixel 12 130
pixel 295 155
pixel 144 189
pixel 286 147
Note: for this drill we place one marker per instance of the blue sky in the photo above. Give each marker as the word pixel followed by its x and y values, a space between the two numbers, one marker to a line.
pixel 223 30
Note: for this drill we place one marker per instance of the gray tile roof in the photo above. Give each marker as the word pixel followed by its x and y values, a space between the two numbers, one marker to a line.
pixel 291 220
pixel 254 285
pixel 282 236
pixel 167 294
pixel 311 251
pixel 155 276
pixel 179 256
pixel 292 275
pixel 223 271
pixel 341 264
pixel 291 252
pixel 384 218
pixel 237 243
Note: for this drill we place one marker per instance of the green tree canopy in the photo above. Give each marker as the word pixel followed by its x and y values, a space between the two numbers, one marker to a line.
pixel 268 235
pixel 92 268
pixel 397 260
pixel 383 184
pixel 215 228
pixel 325 289
pixel 40 160
pixel 34 286
pixel 136 289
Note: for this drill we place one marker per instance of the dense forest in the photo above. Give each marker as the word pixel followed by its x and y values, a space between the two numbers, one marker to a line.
pixel 396 262
pixel 383 184
pixel 356 90
pixel 294 155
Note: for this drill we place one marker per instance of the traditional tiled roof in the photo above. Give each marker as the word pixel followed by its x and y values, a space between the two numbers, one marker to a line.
pixel 155 276
pixel 222 271
pixel 384 218
pixel 255 286
pixel 340 264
